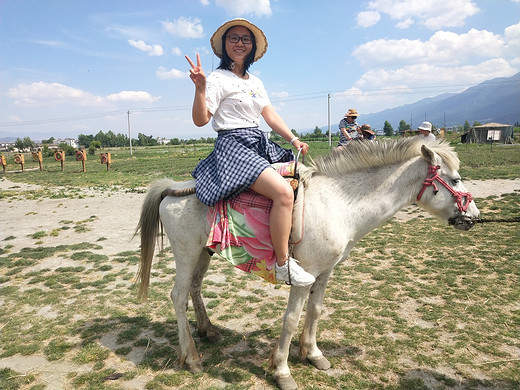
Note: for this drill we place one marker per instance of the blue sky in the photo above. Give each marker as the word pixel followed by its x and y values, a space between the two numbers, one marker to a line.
pixel 70 67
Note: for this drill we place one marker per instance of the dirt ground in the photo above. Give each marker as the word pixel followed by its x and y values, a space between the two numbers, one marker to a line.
pixel 113 216
pixel 118 213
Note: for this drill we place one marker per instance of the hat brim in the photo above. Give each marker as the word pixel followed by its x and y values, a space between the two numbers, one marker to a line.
pixel 260 38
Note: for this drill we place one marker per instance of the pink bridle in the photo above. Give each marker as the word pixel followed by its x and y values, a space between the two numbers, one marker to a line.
pixel 433 174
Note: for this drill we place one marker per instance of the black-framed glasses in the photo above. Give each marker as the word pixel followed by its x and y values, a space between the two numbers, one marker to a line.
pixel 246 39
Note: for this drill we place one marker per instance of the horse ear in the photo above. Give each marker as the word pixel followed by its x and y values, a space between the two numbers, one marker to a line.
pixel 428 154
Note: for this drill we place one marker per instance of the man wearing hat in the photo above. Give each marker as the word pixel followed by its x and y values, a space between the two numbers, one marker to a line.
pixel 426 130
pixel 234 100
pixel 367 132
pixel 348 127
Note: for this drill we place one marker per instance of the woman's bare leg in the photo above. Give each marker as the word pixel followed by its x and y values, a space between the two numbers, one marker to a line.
pixel 274 187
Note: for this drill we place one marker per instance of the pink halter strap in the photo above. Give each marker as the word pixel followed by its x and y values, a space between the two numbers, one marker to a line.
pixel 433 174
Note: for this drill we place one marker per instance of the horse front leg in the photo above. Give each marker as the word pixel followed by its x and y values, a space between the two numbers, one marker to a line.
pixel 185 269
pixel 280 353
pixel 204 326
pixel 308 347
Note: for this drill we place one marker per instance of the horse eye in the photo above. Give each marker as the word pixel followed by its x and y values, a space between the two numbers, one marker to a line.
pixel 455 181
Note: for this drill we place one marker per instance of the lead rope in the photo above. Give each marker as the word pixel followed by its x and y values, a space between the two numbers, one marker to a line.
pixel 501 220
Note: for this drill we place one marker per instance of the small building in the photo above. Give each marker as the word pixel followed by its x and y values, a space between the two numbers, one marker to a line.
pixel 69 141
pixel 162 140
pixel 490 132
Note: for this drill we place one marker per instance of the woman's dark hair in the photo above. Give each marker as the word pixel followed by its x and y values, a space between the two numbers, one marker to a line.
pixel 225 61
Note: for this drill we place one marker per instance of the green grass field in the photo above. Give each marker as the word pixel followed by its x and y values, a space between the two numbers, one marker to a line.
pixel 418 306
pixel 146 164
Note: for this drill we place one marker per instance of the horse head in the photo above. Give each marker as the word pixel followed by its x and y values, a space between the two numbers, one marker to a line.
pixel 447 198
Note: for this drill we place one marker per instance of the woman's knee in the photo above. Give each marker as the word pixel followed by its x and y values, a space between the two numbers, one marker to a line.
pixel 285 196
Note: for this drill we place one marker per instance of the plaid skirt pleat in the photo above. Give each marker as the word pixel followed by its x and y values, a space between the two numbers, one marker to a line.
pixel 239 157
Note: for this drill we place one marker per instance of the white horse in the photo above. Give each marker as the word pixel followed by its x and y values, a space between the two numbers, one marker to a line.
pixel 347 193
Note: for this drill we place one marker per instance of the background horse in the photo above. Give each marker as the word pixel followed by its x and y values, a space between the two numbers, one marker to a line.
pixel 347 193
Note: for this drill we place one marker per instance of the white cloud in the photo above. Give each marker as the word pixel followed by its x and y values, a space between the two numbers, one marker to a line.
pixel 380 89
pixel 184 27
pixel 176 51
pixel 41 92
pixel 152 50
pixel 433 14
pixel 132 96
pixel 204 2
pixel 367 18
pixel 443 47
pixel 281 94
pixel 246 7
pixel 404 24
pixel 512 38
pixel 49 94
pixel 173 73
pixel 432 74
pixel 14 118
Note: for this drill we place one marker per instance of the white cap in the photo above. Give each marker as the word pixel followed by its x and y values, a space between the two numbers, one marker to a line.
pixel 425 126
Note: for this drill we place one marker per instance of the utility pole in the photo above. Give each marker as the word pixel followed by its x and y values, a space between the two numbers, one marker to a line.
pixel 129 134
pixel 328 106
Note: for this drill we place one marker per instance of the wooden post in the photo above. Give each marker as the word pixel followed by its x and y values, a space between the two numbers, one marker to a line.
pixel 81 155
pixel 3 161
pixel 60 156
pixel 19 159
pixel 106 158
pixel 37 156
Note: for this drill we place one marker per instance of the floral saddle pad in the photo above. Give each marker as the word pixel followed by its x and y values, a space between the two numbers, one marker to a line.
pixel 239 229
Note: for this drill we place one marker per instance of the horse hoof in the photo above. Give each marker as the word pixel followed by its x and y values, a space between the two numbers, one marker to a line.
pixel 211 337
pixel 321 363
pixel 214 338
pixel 194 368
pixel 286 383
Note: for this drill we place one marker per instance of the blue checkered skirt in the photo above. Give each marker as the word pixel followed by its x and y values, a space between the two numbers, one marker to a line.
pixel 239 157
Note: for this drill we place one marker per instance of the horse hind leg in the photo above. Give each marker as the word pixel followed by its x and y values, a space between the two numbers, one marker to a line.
pixel 205 328
pixel 308 347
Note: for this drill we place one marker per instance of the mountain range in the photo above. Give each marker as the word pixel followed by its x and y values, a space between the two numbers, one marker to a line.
pixel 496 100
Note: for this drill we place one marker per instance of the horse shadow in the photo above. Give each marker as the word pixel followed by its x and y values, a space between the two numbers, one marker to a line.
pixel 154 345
pixel 423 379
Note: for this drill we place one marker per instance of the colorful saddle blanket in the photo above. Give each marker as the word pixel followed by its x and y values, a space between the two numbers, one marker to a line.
pixel 239 229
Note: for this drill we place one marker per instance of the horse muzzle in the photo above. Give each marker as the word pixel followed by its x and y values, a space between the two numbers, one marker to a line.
pixel 462 222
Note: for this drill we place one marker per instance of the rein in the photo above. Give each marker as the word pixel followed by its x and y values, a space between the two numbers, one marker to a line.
pixel 433 174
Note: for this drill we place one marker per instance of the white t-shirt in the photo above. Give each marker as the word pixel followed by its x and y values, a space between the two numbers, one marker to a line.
pixel 235 103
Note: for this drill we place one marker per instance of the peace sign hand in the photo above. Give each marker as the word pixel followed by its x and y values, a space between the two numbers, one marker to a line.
pixel 197 74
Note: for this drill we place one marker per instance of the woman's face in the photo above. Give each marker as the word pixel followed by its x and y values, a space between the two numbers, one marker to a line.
pixel 351 119
pixel 238 51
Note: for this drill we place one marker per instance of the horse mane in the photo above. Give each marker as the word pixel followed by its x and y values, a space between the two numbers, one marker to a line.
pixel 363 155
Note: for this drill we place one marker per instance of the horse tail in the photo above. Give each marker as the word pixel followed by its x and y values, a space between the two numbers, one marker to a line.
pixel 148 225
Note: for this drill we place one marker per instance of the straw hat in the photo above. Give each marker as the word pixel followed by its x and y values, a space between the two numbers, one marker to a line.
pixel 260 39
pixel 351 112
pixel 425 126
pixel 367 129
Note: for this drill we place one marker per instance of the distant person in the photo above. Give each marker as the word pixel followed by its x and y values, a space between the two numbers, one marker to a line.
pixel 367 132
pixel 234 99
pixel 348 127
pixel 426 130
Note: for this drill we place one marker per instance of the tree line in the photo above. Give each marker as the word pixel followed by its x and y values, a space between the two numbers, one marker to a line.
pixel 110 139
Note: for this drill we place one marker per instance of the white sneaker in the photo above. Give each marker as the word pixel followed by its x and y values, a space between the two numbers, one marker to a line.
pixel 292 274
